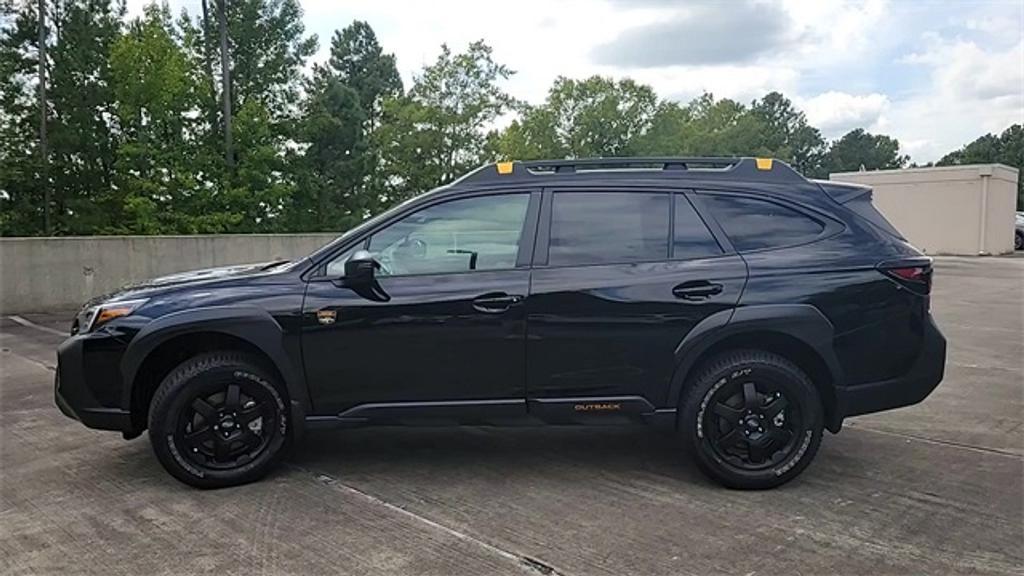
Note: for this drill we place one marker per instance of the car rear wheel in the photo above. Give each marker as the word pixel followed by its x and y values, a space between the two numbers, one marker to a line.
pixel 218 420
pixel 751 419
pixel 1018 240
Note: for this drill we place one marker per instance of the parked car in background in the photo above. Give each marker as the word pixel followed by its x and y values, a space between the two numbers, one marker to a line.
pixel 731 301
pixel 1018 232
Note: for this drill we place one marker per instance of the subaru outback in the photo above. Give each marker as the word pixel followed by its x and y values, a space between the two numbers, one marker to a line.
pixel 730 301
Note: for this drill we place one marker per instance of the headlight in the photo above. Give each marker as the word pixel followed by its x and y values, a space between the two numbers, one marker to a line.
pixel 96 316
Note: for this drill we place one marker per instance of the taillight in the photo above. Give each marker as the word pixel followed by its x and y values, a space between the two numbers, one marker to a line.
pixel 914 274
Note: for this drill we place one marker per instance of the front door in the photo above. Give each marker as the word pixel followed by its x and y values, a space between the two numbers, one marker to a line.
pixel 621 277
pixel 449 341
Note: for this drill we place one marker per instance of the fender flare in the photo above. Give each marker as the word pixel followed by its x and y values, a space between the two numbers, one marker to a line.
pixel 803 322
pixel 252 325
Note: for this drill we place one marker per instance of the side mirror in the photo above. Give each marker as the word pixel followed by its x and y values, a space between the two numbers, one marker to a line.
pixel 359 269
pixel 360 277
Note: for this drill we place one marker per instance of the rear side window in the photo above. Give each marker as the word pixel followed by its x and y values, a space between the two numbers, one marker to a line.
pixel 608 228
pixel 753 224
pixel 691 239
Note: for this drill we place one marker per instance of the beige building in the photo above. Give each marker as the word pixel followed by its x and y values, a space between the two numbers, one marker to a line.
pixel 965 210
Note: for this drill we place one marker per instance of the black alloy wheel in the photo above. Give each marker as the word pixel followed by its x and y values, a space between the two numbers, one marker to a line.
pixel 227 428
pixel 219 419
pixel 752 425
pixel 751 419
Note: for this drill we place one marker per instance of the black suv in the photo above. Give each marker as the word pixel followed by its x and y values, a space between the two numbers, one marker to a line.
pixel 729 300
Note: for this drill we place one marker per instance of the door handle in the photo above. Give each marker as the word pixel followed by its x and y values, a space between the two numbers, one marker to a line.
pixel 696 290
pixel 495 302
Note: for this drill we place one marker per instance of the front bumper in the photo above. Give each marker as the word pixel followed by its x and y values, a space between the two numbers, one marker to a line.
pixel 76 399
pixel 911 388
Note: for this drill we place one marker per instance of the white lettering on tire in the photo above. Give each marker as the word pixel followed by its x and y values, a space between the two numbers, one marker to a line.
pixel 181 461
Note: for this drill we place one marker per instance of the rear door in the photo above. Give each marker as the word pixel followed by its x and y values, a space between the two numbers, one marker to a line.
pixel 620 277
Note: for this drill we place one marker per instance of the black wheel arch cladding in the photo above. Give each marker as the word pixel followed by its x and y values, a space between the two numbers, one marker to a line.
pixel 252 325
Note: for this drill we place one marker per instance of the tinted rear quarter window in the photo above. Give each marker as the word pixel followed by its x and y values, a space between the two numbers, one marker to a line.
pixel 608 228
pixel 753 224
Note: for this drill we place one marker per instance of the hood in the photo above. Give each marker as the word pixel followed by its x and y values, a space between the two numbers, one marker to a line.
pixel 146 288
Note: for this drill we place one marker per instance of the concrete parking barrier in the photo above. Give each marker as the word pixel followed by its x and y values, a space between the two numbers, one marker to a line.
pixel 38 274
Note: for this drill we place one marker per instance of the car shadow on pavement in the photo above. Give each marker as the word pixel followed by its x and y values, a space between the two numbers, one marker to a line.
pixel 520 452
pixel 564 454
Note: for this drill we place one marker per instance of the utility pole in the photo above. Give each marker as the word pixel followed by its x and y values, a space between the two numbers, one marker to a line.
pixel 43 153
pixel 225 73
pixel 208 50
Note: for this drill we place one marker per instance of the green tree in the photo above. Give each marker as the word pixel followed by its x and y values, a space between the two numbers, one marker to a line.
pixel 771 127
pixel 342 110
pixel 264 179
pixel 81 141
pixel 582 118
pixel 157 92
pixel 858 150
pixel 788 136
pixel 706 127
pixel 78 102
pixel 358 61
pixel 1007 148
pixel 331 195
pixel 434 134
pixel 21 179
pixel 268 49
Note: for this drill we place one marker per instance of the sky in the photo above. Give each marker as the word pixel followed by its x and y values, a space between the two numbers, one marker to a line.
pixel 935 74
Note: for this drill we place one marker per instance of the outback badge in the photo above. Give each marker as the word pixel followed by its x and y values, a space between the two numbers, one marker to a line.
pixel 598 407
pixel 326 317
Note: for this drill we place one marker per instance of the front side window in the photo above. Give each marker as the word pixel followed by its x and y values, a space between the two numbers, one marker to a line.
pixel 336 267
pixel 480 233
pixel 753 224
pixel 608 228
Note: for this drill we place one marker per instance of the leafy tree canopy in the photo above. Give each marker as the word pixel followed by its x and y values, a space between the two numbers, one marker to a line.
pixel 152 128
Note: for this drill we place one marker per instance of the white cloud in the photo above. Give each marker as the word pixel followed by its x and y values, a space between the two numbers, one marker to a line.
pixel 965 70
pixel 836 31
pixel 836 113
pixel 971 91
pixel 741 83
pixel 999 28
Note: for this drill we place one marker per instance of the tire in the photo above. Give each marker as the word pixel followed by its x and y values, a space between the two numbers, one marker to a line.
pixel 1018 240
pixel 219 419
pixel 730 423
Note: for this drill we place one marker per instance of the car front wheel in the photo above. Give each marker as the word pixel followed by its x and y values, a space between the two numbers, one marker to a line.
pixel 218 420
pixel 751 419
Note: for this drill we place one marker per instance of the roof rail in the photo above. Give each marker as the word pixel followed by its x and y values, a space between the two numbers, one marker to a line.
pixel 745 168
